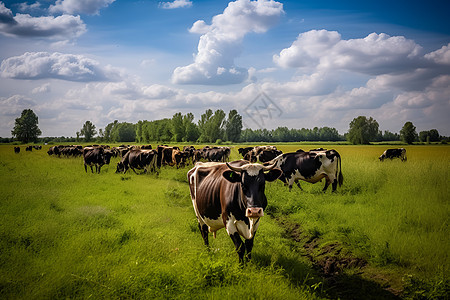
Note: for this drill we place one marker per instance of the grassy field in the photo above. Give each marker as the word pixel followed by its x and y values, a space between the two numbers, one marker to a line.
pixel 67 234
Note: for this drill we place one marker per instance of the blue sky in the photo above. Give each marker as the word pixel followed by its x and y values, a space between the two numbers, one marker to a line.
pixel 321 63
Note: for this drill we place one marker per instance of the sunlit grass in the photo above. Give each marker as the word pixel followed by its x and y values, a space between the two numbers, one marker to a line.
pixel 65 233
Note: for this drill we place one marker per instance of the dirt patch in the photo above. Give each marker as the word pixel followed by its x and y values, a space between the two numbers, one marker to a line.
pixel 343 273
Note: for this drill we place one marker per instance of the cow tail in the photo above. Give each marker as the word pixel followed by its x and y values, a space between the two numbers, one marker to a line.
pixel 340 176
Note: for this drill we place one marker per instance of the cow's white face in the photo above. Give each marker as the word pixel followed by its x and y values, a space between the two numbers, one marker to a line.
pixel 252 179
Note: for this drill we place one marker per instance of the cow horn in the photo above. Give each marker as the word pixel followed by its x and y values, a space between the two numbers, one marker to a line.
pixel 236 169
pixel 270 167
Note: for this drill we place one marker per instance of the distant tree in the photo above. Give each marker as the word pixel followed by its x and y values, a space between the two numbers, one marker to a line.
pixel 88 131
pixel 362 130
pixel 431 136
pixel 191 129
pixel 107 133
pixel 124 132
pixel 408 133
pixel 211 125
pixel 233 126
pixel 178 127
pixel 26 127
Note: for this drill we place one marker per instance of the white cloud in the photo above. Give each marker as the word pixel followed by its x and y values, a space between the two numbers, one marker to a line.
pixel 14 105
pixel 441 56
pixel 45 88
pixel 221 41
pixel 175 4
pixel 63 27
pixel 90 7
pixel 40 65
pixel 373 55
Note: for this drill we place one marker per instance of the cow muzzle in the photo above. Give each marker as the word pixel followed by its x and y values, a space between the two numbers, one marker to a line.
pixel 254 212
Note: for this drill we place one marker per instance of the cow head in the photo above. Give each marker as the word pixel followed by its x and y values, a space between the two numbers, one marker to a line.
pixel 382 157
pixel 252 178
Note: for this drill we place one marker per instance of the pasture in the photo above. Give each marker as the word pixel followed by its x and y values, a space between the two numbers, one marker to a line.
pixel 384 234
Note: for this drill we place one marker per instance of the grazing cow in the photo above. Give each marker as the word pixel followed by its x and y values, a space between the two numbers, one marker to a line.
pixel 268 155
pixel 311 167
pixel 394 153
pixel 96 156
pixel 243 151
pixel 231 196
pixel 179 157
pixel 138 159
pixel 29 148
pixel 16 149
pixel 263 153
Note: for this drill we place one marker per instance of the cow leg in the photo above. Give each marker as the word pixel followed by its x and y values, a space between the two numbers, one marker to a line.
pixel 297 182
pixel 85 168
pixel 334 185
pixel 204 231
pixel 327 183
pixel 249 247
pixel 92 170
pixel 239 245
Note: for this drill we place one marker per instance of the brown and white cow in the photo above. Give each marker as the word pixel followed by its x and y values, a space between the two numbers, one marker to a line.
pixel 394 153
pixel 311 167
pixel 230 196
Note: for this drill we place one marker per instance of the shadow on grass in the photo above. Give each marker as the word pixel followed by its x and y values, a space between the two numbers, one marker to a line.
pixel 338 286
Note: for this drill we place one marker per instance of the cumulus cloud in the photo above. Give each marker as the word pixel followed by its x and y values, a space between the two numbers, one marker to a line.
pixel 40 65
pixel 441 56
pixel 175 4
pixel 13 105
pixel 23 25
pixel 45 88
pixel 90 7
pixel 373 55
pixel 221 41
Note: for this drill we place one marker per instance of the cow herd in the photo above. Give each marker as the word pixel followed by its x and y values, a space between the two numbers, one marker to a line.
pixel 225 194
pixel 232 195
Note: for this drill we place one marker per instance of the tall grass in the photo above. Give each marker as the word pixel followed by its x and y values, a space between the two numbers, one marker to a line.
pixel 65 233
pixel 391 212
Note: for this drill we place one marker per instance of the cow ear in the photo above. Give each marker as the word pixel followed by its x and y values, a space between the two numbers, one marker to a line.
pixel 273 174
pixel 231 176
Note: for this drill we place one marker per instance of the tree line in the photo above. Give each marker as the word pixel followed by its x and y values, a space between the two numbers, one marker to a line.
pixel 217 127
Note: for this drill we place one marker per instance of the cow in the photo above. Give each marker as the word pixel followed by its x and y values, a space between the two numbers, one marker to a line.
pixel 96 156
pixel 262 153
pixel 179 157
pixel 268 155
pixel 243 151
pixel 230 196
pixel 29 148
pixel 138 159
pixel 393 153
pixel 16 149
pixel 311 167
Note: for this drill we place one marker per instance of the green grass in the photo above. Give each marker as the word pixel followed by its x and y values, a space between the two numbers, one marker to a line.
pixel 68 234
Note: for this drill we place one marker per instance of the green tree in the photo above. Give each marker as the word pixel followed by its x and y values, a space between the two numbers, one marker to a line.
pixel 362 130
pixel 107 133
pixel 178 128
pixel 124 132
pixel 233 126
pixel 191 129
pixel 408 133
pixel 88 131
pixel 211 125
pixel 26 127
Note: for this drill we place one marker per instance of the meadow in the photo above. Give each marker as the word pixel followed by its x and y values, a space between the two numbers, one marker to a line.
pixel 384 234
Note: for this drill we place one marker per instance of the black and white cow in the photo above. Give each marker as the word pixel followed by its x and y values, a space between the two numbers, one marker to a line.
pixel 393 153
pixel 141 159
pixel 230 196
pixel 311 167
